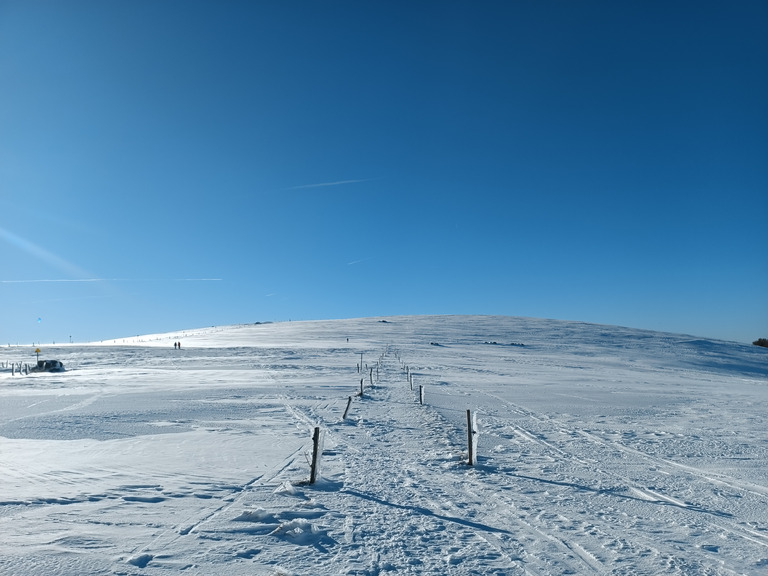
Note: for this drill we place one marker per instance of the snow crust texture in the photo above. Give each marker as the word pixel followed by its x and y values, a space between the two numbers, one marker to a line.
pixel 601 450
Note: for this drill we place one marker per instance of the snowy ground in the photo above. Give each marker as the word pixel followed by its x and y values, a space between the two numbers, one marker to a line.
pixel 602 450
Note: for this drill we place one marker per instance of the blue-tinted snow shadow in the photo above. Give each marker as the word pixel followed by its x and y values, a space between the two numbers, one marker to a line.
pixel 426 512
pixel 617 492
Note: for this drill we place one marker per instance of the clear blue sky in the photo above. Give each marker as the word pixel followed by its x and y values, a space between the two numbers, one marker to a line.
pixel 178 164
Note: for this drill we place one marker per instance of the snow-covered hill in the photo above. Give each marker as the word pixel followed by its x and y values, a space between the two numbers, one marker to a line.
pixel 602 450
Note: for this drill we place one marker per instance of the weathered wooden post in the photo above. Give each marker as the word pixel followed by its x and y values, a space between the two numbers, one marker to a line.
pixel 421 394
pixel 349 403
pixel 361 387
pixel 317 449
pixel 371 376
pixel 472 438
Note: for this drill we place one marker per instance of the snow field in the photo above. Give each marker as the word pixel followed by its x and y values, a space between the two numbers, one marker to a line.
pixel 603 450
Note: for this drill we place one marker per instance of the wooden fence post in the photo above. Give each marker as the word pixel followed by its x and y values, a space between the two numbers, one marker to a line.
pixel 472 438
pixel 349 403
pixel 317 449
pixel 361 387
pixel 421 394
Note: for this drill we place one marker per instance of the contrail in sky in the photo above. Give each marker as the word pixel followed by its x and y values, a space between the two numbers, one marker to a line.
pixel 71 269
pixel 324 184
pixel 111 280
pixel 51 280
pixel 41 253
pixel 358 261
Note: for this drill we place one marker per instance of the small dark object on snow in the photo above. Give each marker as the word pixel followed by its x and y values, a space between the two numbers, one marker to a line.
pixel 48 366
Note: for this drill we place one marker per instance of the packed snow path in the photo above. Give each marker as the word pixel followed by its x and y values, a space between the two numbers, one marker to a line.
pixel 603 450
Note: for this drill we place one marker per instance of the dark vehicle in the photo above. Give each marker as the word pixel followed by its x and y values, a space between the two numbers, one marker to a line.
pixel 48 366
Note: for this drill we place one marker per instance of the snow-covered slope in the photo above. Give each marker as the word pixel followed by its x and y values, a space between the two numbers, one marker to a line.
pixel 602 450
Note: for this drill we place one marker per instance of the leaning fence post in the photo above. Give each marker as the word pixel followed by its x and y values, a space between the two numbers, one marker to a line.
pixel 349 403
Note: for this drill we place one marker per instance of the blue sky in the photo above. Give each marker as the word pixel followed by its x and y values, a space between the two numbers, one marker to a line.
pixel 178 164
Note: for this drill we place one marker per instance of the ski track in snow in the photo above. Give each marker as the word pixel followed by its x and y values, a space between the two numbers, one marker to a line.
pixel 603 450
